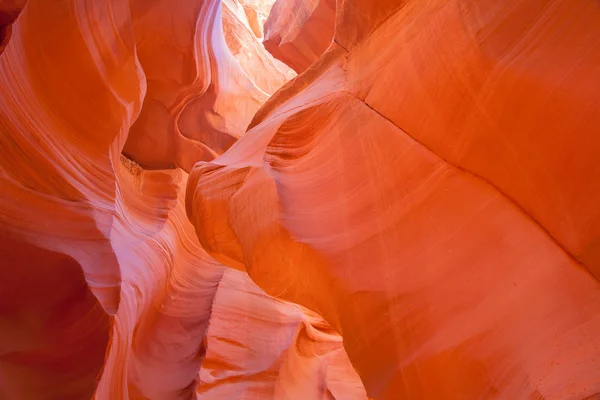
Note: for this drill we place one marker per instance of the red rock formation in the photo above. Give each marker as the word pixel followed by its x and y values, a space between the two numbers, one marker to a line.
pixel 266 72
pixel 430 188
pixel 266 349
pixel 256 12
pixel 298 32
pixel 58 190
pixel 426 191
pixel 199 99
pixel 105 290
pixel 9 11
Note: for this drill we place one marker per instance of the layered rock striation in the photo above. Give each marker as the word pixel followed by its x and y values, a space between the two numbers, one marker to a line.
pixel 106 291
pixel 298 32
pixel 414 215
pixel 429 187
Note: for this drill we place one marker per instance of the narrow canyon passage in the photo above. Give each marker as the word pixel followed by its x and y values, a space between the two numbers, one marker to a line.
pixel 299 199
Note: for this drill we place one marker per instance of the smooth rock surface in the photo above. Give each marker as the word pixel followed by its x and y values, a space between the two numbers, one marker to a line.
pixel 415 215
pixel 298 32
pixel 430 188
pixel 105 290
pixel 201 95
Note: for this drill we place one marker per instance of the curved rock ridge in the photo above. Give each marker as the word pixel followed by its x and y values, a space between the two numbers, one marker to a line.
pixel 257 12
pixel 181 309
pixel 265 71
pixel 105 290
pixel 429 187
pixel 9 12
pixel 298 32
pixel 57 190
pixel 261 348
pixel 57 164
pixel 199 98
pixel 413 216
pixel 168 286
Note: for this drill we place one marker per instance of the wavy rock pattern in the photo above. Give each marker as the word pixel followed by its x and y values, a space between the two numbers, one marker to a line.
pixel 9 12
pixel 298 32
pixel 430 188
pixel 413 216
pixel 105 290
pixel 259 348
pixel 199 99
pixel 58 191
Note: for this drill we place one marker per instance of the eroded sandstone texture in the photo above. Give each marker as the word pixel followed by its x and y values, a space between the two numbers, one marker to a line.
pixel 431 188
pixel 105 290
pixel 414 216
pixel 298 32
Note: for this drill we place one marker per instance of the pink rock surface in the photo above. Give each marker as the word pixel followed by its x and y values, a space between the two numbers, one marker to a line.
pixel 261 348
pixel 58 192
pixel 298 32
pixel 413 216
pixel 9 12
pixel 429 188
pixel 199 97
pixel 105 290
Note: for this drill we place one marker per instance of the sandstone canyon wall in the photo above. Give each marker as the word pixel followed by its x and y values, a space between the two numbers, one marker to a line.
pixel 414 216
pixel 105 289
pixel 298 32
pixel 430 187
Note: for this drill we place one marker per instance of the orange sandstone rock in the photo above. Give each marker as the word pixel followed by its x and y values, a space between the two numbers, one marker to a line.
pixel 263 348
pixel 60 276
pixel 297 32
pixel 429 188
pixel 105 290
pixel 9 11
pixel 413 216
pixel 199 99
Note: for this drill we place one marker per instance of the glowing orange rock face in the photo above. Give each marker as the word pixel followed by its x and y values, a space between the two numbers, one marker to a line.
pixel 297 32
pixel 105 291
pixel 266 349
pixel 431 188
pixel 64 110
pixel 414 216
pixel 199 98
